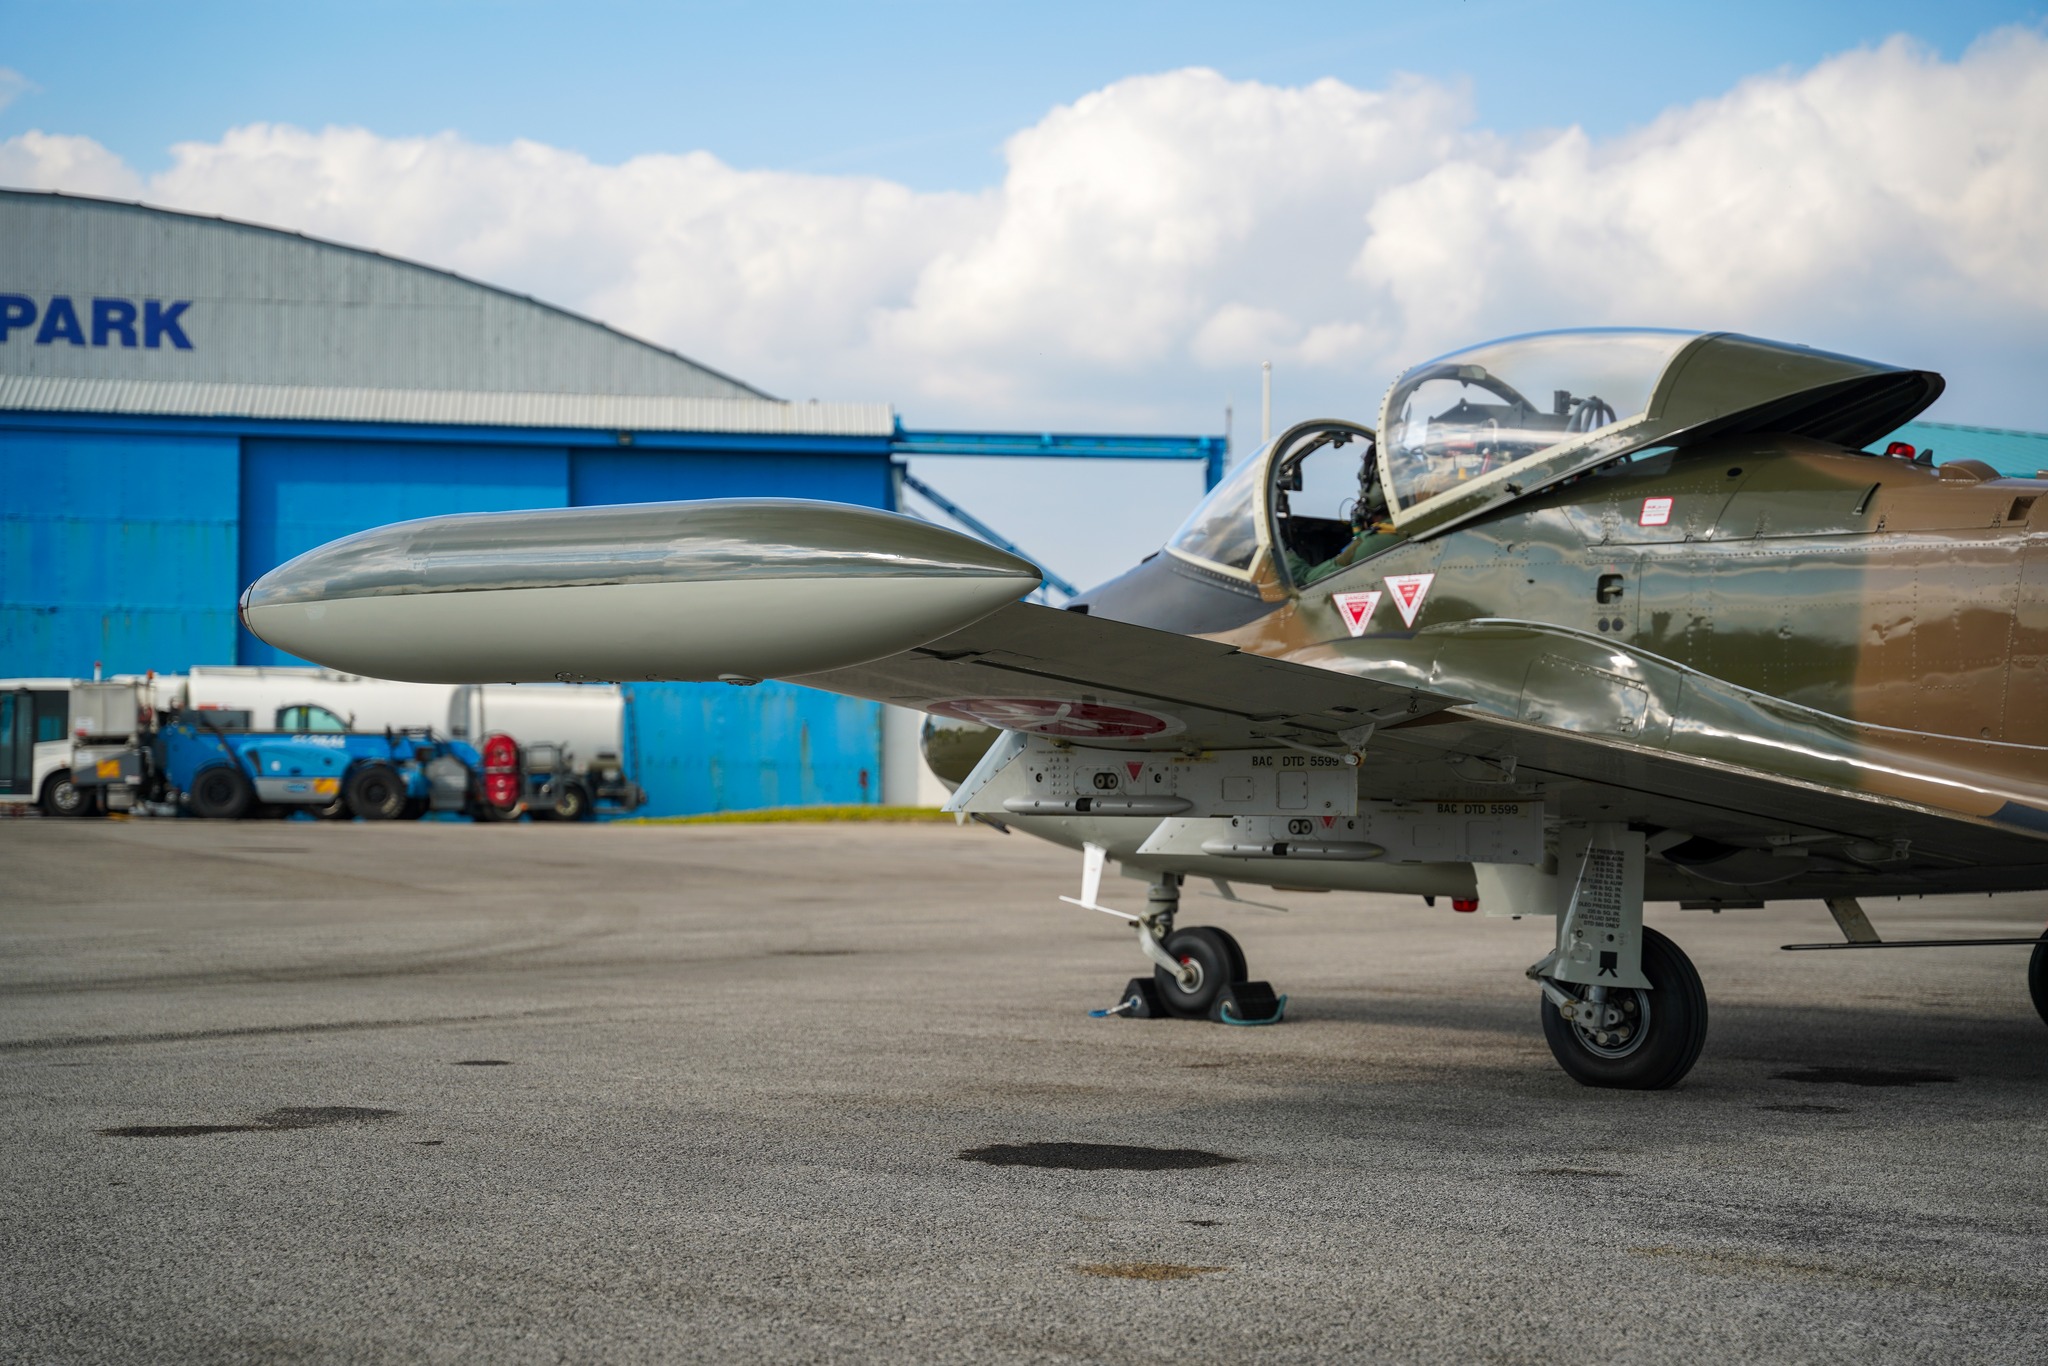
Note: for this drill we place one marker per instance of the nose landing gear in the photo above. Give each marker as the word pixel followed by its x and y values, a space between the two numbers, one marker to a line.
pixel 1209 960
pixel 1198 972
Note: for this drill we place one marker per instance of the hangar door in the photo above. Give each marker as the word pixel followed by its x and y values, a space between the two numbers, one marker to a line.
pixel 116 549
pixel 700 747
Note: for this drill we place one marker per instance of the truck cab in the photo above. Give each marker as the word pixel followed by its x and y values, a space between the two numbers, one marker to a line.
pixel 35 745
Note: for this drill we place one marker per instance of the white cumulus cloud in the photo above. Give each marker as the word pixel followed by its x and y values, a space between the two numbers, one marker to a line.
pixel 1153 241
pixel 13 85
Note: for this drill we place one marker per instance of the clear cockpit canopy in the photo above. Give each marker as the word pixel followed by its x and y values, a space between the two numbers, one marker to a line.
pixel 1476 430
pixel 1223 529
pixel 1476 413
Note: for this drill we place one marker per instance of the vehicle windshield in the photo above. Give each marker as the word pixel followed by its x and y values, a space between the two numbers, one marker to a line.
pixel 1223 529
pixel 1469 414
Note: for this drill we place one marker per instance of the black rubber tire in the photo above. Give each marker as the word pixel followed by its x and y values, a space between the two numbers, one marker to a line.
pixel 2037 977
pixel 220 793
pixel 1239 972
pixel 62 797
pixel 336 810
pixel 1673 1038
pixel 1209 950
pixel 376 793
pixel 572 803
pixel 484 813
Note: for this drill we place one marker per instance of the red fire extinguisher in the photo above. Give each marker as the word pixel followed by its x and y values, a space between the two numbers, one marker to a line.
pixel 503 783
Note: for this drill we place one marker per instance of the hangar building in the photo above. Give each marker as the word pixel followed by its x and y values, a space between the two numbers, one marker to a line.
pixel 186 402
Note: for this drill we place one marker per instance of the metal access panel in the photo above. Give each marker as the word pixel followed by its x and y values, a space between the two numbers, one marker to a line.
pixel 106 766
pixel 1389 832
pixel 1031 775
pixel 105 712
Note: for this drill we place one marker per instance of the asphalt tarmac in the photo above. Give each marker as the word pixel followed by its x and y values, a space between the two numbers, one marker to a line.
pixel 287 1092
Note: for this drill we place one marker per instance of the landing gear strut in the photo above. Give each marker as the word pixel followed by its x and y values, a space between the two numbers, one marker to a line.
pixel 1192 966
pixel 1197 973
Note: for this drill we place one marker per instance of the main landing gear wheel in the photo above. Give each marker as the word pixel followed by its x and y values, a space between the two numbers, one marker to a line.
pixel 1216 961
pixel 2037 976
pixel 1639 1040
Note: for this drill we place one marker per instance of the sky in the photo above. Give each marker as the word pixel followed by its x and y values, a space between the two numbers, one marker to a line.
pixel 1102 217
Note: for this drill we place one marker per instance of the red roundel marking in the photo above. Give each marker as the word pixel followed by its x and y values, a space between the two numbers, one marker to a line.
pixel 1043 716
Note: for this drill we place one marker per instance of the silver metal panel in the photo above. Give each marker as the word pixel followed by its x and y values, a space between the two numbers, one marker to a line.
pixel 748 416
pixel 278 308
pixel 718 540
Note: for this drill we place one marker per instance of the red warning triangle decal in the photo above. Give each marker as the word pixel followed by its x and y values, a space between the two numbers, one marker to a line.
pixel 1355 609
pixel 1329 821
pixel 1409 590
pixel 1134 769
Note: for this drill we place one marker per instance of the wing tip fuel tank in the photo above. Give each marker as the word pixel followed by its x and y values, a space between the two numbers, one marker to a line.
pixel 730 588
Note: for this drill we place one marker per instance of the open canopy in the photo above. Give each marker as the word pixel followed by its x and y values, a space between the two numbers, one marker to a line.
pixel 1468 431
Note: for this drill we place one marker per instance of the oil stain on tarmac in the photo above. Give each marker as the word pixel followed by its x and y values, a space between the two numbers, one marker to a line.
pixel 1864 1076
pixel 1146 1271
pixel 1808 1109
pixel 277 1121
pixel 1095 1157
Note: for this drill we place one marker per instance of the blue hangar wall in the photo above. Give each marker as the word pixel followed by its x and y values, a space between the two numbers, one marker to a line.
pixel 125 542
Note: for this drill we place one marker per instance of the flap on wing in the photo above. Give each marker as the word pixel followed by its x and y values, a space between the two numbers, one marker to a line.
pixel 1068 674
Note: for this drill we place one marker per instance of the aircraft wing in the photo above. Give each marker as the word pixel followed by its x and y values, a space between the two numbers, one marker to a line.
pixel 880 606
pixel 1759 778
pixel 1110 683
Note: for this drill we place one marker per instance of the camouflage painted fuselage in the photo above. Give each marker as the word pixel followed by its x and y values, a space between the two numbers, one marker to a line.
pixel 1860 622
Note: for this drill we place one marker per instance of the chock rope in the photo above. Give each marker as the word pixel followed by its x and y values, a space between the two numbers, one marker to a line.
pixel 1119 1008
pixel 1230 1018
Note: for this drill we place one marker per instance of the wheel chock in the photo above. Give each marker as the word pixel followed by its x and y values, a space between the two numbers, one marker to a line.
pixel 1140 1001
pixel 1248 1003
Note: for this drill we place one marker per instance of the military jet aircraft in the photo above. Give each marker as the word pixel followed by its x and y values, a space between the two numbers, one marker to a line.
pixel 1588 617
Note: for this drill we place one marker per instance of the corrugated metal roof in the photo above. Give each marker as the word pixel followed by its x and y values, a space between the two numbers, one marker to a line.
pixel 443 407
pixel 260 305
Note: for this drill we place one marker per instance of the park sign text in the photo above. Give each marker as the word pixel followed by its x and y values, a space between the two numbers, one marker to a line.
pixel 100 322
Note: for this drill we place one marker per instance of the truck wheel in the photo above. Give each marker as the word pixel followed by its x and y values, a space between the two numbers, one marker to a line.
pixel 376 793
pixel 220 793
pixel 572 803
pixel 62 797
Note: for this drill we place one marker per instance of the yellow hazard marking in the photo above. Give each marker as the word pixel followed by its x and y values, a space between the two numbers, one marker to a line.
pixel 326 787
pixel 109 768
